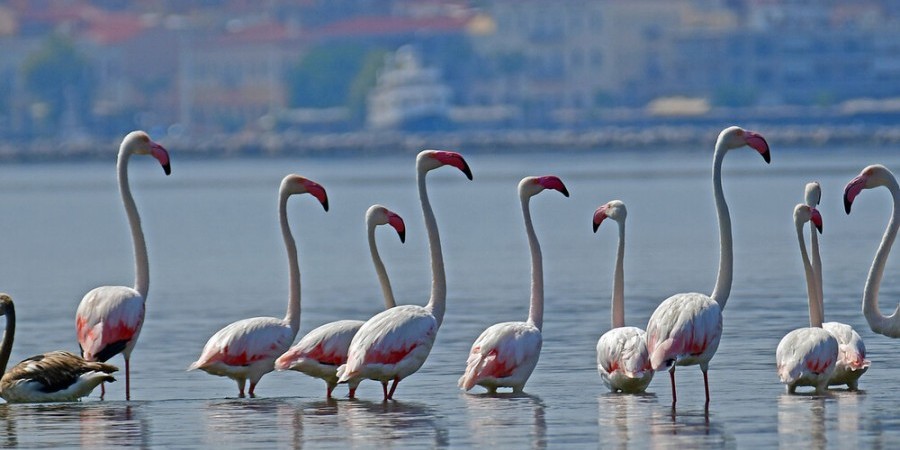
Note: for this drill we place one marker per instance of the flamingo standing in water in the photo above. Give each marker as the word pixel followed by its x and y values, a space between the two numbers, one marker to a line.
pixel 49 377
pixel 325 348
pixel 109 318
pixel 622 358
pixel 506 353
pixel 685 328
pixel 852 362
pixel 395 343
pixel 247 349
pixel 872 177
pixel 807 356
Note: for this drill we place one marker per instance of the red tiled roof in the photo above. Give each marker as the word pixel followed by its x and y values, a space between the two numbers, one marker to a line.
pixel 114 27
pixel 369 26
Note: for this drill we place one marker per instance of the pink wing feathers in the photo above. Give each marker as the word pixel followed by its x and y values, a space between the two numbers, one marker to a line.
pixel 327 344
pixel 683 326
pixel 107 319
pixel 500 351
pixel 245 342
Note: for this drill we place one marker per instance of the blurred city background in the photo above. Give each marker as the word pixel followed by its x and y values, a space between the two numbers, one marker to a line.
pixel 248 77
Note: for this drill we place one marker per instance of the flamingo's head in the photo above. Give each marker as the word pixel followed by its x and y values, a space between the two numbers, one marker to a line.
pixel 6 303
pixel 530 186
pixel 295 184
pixel 139 142
pixel 432 159
pixel 379 215
pixel 870 177
pixel 734 137
pixel 614 210
pixel 813 193
pixel 805 213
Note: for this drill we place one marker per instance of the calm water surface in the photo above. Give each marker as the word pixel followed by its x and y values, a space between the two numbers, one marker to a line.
pixel 216 256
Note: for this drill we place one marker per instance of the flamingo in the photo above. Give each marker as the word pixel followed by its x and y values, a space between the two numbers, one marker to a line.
pixel 49 377
pixel 852 362
pixel 325 348
pixel 807 356
pixel 685 328
pixel 622 357
pixel 246 349
pixel 394 343
pixel 871 177
pixel 506 353
pixel 109 318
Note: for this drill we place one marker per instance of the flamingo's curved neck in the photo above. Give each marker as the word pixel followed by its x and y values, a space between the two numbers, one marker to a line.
pixel 618 294
pixel 536 308
pixel 8 335
pixel 817 270
pixel 815 312
pixel 438 300
pixel 141 264
pixel 386 290
pixel 726 255
pixel 886 325
pixel 293 309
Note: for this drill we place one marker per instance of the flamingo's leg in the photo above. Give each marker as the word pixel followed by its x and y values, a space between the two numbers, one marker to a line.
pixel 672 377
pixel 127 378
pixel 390 395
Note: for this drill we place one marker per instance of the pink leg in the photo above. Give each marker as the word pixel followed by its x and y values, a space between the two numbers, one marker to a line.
pixel 330 387
pixel 672 376
pixel 252 387
pixel 241 388
pixel 127 379
pixel 390 395
pixel 102 390
pixel 353 392
pixel 384 388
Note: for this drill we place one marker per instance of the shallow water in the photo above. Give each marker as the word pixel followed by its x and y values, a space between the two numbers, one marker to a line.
pixel 217 256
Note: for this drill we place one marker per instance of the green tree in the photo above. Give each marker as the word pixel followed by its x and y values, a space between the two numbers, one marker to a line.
pixel 60 77
pixel 323 77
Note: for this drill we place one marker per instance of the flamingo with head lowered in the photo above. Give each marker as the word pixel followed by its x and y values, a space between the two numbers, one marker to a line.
pixel 247 349
pixel 506 353
pixel 49 377
pixel 871 177
pixel 395 343
pixel 852 362
pixel 685 329
pixel 324 349
pixel 109 318
pixel 807 356
pixel 622 357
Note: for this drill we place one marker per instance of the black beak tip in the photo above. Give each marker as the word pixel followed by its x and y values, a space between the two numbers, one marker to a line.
pixel 596 226
pixel 767 157
pixel 402 236
pixel 325 204
pixel 847 205
pixel 467 171
pixel 167 169
pixel 564 191
pixel 819 227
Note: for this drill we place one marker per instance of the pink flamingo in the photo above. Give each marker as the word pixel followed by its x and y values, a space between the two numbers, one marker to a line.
pixel 622 357
pixel 325 348
pixel 685 328
pixel 395 343
pixel 48 377
pixel 109 318
pixel 852 362
pixel 872 177
pixel 246 349
pixel 506 353
pixel 807 356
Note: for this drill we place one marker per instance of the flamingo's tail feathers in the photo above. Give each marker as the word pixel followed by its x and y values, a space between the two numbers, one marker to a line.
pixel 345 374
pixel 852 358
pixel 788 373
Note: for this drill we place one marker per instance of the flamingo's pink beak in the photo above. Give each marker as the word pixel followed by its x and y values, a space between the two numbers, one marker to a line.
pixel 159 152
pixel 317 191
pixel 853 188
pixel 453 159
pixel 552 182
pixel 599 215
pixel 816 219
pixel 396 221
pixel 758 143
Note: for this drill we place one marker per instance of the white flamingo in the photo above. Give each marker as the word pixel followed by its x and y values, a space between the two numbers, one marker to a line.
pixel 872 177
pixel 685 328
pixel 622 357
pixel 506 353
pixel 109 318
pixel 48 377
pixel 852 362
pixel 395 343
pixel 246 349
pixel 807 356
pixel 324 349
